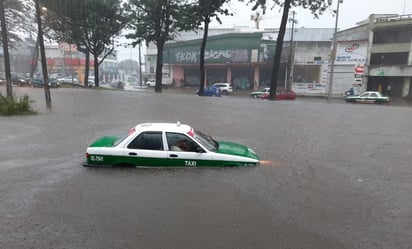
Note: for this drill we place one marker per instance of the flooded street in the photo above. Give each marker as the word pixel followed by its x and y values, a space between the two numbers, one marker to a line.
pixel 333 175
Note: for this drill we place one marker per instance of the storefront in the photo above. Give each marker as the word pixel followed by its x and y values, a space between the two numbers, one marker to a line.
pixel 237 58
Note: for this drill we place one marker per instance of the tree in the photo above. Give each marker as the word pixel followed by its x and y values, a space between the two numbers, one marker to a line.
pixel 90 24
pixel 19 15
pixel 13 20
pixel 317 7
pixel 5 51
pixel 207 9
pixel 158 21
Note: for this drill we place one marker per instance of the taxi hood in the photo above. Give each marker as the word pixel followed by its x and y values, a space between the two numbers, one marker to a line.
pixel 236 150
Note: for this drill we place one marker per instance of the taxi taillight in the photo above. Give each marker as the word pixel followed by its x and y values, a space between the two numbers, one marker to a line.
pixel 87 155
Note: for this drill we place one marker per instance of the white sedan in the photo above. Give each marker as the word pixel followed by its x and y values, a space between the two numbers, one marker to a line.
pixel 167 145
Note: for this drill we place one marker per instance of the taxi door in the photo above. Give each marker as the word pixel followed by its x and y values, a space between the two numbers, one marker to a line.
pixel 147 149
pixel 184 151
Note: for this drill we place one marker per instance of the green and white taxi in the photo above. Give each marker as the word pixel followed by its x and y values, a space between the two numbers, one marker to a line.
pixel 370 97
pixel 167 145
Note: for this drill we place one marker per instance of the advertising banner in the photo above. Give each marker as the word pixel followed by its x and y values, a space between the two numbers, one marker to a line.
pixel 351 52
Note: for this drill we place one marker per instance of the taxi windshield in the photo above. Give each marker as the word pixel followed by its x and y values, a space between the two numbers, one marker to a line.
pixel 206 140
pixel 120 138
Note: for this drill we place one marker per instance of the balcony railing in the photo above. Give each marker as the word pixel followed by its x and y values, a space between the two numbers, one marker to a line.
pixel 393 18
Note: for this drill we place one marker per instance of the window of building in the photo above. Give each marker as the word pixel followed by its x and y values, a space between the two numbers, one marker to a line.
pixel 389 58
pixel 392 36
pixel 306 73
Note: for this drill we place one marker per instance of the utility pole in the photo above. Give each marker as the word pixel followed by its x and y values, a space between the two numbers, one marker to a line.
pixel 140 64
pixel 6 51
pixel 333 54
pixel 291 57
pixel 43 56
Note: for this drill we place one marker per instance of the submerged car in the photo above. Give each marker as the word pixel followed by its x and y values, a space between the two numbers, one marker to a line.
pixel 281 95
pixel 212 91
pixel 167 145
pixel 258 94
pixel 372 97
pixel 38 82
pixel 225 88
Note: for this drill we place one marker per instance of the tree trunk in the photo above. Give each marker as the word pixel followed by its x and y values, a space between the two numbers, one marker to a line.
pixel 202 57
pixel 43 56
pixel 86 69
pixel 278 51
pixel 159 67
pixel 96 70
pixel 6 52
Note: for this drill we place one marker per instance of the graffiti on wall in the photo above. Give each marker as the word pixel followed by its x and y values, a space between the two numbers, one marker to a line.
pixel 214 55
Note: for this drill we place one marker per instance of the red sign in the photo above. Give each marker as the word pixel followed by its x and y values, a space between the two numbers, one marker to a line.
pixel 359 69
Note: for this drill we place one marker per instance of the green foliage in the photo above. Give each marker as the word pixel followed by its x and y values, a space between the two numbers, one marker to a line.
pixel 92 25
pixel 158 21
pixel 317 7
pixel 88 23
pixel 212 8
pixel 18 18
pixel 14 106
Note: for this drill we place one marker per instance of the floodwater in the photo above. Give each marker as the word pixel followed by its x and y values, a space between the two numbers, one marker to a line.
pixel 333 175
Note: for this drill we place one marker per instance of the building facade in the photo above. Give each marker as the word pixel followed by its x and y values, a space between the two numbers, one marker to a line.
pixel 376 55
pixel 243 59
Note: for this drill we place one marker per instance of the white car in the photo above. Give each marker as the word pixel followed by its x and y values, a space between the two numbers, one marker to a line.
pixel 167 145
pixel 226 88
pixel 69 80
pixel 258 94
pixel 371 97
pixel 150 83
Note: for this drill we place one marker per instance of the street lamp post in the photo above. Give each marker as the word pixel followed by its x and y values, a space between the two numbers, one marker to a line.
pixel 43 55
pixel 333 53
pixel 289 75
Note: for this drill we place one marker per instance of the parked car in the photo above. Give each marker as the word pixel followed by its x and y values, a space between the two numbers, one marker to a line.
pixel 371 97
pixel 150 83
pixel 225 88
pixel 167 145
pixel 19 79
pixel 38 82
pixel 258 94
pixel 90 81
pixel 69 80
pixel 117 84
pixel 212 91
pixel 281 94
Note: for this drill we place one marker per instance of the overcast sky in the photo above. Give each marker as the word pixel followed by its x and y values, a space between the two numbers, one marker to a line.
pixel 350 12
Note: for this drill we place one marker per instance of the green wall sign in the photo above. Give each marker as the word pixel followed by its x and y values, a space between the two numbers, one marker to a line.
pixel 227 48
